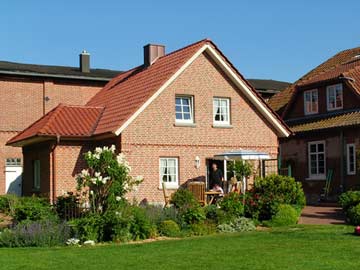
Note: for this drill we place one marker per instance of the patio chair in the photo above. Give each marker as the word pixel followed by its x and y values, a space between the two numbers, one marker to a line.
pixel 198 189
pixel 166 196
pixel 326 189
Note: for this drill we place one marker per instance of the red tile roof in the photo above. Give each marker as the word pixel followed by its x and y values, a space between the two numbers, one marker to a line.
pixel 279 101
pixel 126 93
pixel 63 120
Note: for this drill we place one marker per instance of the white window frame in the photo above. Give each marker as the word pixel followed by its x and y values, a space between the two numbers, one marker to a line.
pixel 316 176
pixel 191 103
pixel 36 174
pixel 348 152
pixel 226 122
pixel 311 93
pixel 334 88
pixel 169 185
pixel 13 162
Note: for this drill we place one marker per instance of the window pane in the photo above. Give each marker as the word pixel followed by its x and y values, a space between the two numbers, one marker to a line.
pixel 178 116
pixel 313 148
pixel 178 108
pixel 185 101
pixel 186 109
pixel 187 116
pixel 178 101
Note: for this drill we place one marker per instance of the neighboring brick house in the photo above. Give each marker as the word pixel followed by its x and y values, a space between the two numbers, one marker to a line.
pixel 323 111
pixel 27 92
pixel 170 116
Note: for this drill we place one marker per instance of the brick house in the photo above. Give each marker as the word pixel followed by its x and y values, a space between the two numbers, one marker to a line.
pixel 323 110
pixel 166 114
pixel 27 92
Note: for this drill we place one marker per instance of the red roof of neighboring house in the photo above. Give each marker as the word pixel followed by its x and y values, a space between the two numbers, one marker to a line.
pixel 63 120
pixel 279 101
pixel 123 96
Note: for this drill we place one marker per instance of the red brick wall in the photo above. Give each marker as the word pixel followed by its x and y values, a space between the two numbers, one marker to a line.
pixel 153 134
pixel 296 150
pixel 21 101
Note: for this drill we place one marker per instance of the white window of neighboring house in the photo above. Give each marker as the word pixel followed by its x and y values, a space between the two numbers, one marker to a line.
pixel 311 101
pixel 36 174
pixel 334 97
pixel 169 172
pixel 184 109
pixel 221 111
pixel 351 159
pixel 316 159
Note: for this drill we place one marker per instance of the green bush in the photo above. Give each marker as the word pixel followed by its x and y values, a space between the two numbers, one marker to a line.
pixel 34 209
pixel 202 228
pixel 7 203
pixel 35 234
pixel 269 192
pixel 169 228
pixel 183 198
pixel 349 199
pixel 90 227
pixel 66 203
pixel 232 204
pixel 286 215
pixel 140 226
pixel 240 224
pixel 353 215
pixel 192 215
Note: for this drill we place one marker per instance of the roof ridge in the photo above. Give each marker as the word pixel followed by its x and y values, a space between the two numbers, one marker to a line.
pixel 187 46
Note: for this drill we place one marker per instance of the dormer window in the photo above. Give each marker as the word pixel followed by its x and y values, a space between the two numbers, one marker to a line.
pixel 334 97
pixel 311 101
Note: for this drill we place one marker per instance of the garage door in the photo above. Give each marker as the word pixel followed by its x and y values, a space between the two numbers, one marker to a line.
pixel 13 171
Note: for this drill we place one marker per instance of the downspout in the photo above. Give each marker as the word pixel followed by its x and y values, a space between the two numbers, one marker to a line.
pixel 53 161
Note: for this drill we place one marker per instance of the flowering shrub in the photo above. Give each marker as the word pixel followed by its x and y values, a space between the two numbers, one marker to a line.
pixel 35 234
pixel 106 180
pixel 232 204
pixel 269 192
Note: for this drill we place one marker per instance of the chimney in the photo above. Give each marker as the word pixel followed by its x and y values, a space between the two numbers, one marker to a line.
pixel 152 52
pixel 84 58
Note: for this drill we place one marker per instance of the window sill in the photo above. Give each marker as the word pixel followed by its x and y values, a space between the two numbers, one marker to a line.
pixel 170 188
pixel 316 178
pixel 184 124
pixel 222 126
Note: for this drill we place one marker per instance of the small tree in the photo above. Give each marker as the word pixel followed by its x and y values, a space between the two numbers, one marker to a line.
pixel 106 180
pixel 241 168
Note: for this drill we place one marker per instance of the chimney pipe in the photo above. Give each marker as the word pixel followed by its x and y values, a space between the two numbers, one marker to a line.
pixel 84 58
pixel 152 52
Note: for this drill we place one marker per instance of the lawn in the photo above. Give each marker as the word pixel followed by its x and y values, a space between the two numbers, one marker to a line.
pixel 303 247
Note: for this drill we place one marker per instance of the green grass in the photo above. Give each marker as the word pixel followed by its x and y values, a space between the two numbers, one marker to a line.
pixel 303 247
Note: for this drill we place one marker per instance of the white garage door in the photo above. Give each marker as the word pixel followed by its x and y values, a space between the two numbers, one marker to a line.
pixel 13 171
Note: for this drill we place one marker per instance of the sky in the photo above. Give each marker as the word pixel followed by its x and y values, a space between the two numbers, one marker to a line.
pixel 280 40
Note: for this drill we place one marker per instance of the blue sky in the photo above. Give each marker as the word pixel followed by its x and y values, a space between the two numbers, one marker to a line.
pixel 279 40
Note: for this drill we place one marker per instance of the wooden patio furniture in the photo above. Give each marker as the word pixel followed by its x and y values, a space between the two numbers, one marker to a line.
pixel 167 197
pixel 198 189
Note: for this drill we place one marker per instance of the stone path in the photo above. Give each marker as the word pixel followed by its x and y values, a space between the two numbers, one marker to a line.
pixel 322 215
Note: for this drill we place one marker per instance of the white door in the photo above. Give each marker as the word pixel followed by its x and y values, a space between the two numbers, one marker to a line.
pixel 13 179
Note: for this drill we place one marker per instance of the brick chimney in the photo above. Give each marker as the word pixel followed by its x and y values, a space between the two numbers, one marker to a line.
pixel 152 52
pixel 84 58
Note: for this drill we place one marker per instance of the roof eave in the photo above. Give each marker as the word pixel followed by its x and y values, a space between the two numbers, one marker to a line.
pixel 43 75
